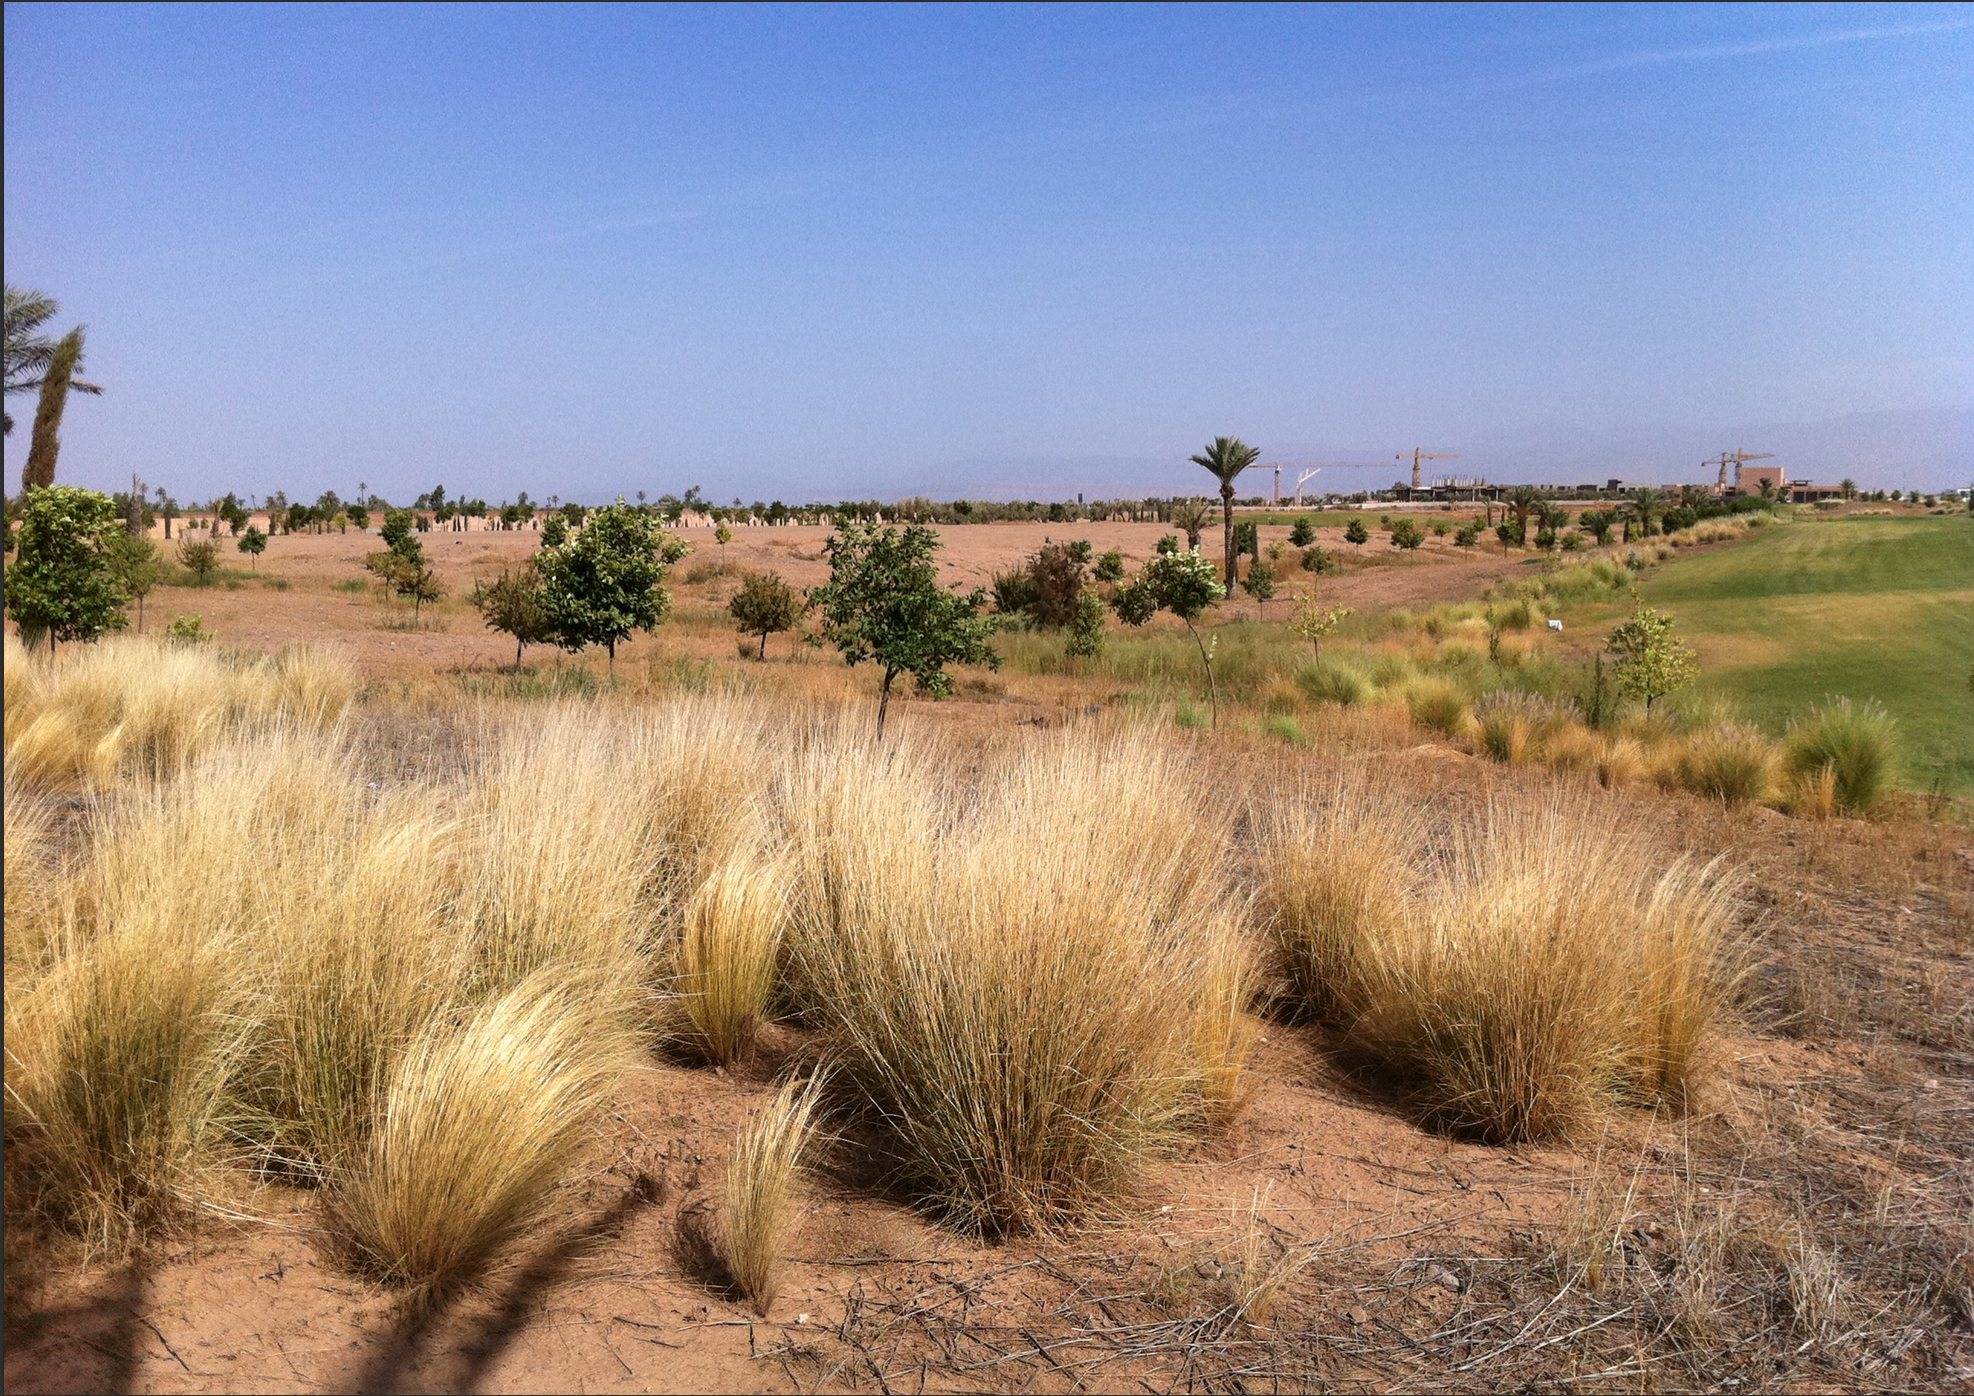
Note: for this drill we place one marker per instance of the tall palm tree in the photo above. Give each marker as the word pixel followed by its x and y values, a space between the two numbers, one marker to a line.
pixel 1227 457
pixel 1524 500
pixel 28 351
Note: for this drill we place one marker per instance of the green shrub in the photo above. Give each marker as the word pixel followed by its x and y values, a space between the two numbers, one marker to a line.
pixel 353 584
pixel 1858 743
pixel 1328 681
pixel 1190 716
pixel 1288 729
pixel 1516 614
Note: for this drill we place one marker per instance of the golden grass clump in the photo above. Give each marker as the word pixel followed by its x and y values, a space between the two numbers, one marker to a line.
pixel 760 1189
pixel 117 1059
pixel 1337 870
pixel 724 972
pixel 1515 727
pixel 1026 1006
pixel 30 876
pixel 1558 962
pixel 144 704
pixel 1622 761
pixel 561 842
pixel 479 1122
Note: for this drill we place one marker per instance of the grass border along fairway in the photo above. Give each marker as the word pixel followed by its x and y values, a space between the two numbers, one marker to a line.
pixel 1861 607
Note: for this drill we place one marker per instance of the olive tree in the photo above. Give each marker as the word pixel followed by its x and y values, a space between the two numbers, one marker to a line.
pixel 883 604
pixel 512 604
pixel 765 605
pixel 609 580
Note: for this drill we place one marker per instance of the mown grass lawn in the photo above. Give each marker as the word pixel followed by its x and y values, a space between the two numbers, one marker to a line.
pixel 1865 608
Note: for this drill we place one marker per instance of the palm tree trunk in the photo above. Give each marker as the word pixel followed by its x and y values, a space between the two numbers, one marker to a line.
pixel 47 441
pixel 1227 515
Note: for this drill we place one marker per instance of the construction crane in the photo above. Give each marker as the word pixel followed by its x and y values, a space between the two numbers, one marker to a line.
pixel 1738 459
pixel 1419 454
pixel 1308 468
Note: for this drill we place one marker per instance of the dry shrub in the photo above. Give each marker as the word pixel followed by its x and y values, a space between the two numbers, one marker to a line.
pixel 1257 1274
pixel 1622 761
pixel 760 1190
pixel 1575 748
pixel 1515 726
pixel 1731 763
pixel 1336 875
pixel 1025 1005
pixel 1439 706
pixel 144 704
pixel 1811 794
pixel 478 1123
pixel 724 971
pixel 1559 961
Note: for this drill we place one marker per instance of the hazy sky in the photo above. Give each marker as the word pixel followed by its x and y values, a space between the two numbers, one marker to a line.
pixel 790 251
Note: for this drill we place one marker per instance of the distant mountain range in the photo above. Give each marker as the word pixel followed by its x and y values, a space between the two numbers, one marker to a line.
pixel 1926 449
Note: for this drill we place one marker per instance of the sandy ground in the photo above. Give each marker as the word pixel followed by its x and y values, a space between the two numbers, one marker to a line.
pixel 378 632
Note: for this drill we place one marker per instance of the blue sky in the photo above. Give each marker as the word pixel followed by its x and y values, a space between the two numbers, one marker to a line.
pixel 814 251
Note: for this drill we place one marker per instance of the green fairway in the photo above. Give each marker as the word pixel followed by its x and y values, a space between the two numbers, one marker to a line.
pixel 1865 608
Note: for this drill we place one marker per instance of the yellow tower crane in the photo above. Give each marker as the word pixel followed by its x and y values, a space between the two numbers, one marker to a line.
pixel 1419 455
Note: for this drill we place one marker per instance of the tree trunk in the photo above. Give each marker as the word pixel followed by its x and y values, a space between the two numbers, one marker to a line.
pixel 47 442
pixel 884 701
pixel 1227 517
pixel 1212 688
pixel 764 645
pixel 517 656
pixel 610 646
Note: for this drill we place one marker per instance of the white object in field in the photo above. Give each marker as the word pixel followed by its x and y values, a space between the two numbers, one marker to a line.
pixel 1555 625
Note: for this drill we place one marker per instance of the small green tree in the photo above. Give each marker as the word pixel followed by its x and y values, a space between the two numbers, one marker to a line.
pixel 253 543
pixel 1467 535
pixel 1110 567
pixel 359 516
pixel 188 630
pixel 1651 661
pixel 1355 532
pixel 1086 628
pixel 1405 534
pixel 765 605
pixel 609 580
pixel 134 563
pixel 1313 620
pixel 63 584
pixel 1167 543
pixel 398 535
pixel 1260 582
pixel 1185 584
pixel 511 603
pixel 1314 559
pixel 554 531
pixel 199 556
pixel 723 535
pixel 883 604
pixel 1302 533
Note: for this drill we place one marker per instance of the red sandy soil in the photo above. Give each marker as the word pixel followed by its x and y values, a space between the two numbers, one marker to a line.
pixel 376 632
